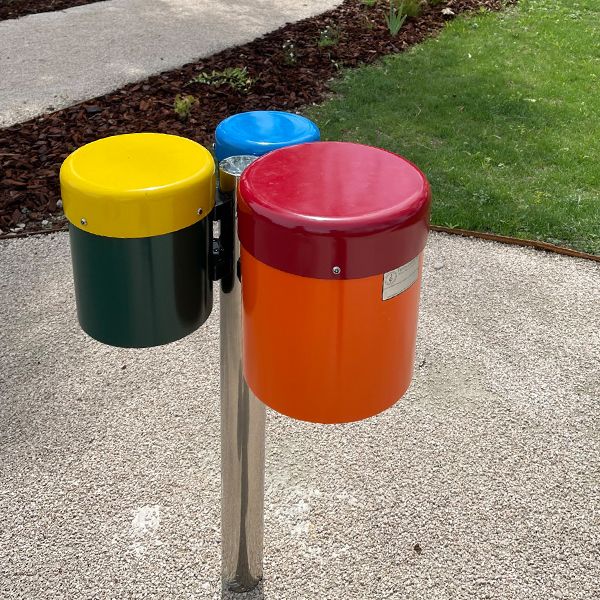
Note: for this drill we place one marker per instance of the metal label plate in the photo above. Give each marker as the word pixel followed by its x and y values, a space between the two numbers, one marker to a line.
pixel 399 280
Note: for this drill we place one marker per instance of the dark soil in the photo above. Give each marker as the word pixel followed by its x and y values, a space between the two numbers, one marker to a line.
pixel 31 153
pixel 11 9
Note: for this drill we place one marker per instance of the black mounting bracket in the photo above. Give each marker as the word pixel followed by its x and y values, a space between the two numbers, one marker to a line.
pixel 222 250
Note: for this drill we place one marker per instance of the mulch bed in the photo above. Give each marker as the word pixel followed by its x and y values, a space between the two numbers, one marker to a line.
pixel 31 153
pixel 12 9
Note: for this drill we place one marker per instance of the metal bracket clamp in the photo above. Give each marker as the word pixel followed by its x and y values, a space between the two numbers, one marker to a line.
pixel 221 251
pixel 225 253
pixel 217 260
pixel 222 202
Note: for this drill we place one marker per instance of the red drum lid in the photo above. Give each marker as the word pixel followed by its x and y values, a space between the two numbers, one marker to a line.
pixel 333 210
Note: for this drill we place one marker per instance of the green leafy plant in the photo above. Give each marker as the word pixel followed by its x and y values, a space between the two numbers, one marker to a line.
pixel 395 18
pixel 235 77
pixel 369 3
pixel 183 106
pixel 330 36
pixel 412 8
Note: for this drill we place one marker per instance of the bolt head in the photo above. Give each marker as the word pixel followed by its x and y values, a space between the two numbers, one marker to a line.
pixel 84 221
pixel 336 270
pixel 200 211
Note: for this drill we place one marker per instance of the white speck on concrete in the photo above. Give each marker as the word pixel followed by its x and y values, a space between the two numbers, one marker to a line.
pixel 144 525
pixel 146 521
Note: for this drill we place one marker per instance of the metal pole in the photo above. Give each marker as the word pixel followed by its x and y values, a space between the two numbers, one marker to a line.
pixel 242 419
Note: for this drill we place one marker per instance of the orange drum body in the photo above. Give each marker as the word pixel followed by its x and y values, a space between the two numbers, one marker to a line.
pixel 322 350
pixel 331 278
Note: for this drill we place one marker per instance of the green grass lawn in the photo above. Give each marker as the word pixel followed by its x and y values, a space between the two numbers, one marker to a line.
pixel 502 112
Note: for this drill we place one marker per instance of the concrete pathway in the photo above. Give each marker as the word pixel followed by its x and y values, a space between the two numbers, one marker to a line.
pixel 483 482
pixel 52 60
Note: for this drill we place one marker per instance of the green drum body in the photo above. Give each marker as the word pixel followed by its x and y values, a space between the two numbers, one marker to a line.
pixel 139 209
pixel 142 292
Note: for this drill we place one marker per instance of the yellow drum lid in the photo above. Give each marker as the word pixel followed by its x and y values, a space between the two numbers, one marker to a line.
pixel 138 185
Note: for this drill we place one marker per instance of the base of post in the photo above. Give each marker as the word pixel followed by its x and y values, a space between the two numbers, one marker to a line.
pixel 232 588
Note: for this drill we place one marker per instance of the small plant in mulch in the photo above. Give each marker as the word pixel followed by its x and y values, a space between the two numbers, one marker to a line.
pixel 290 53
pixel 367 23
pixel 395 18
pixel 236 78
pixel 412 8
pixel 369 3
pixel 330 36
pixel 183 106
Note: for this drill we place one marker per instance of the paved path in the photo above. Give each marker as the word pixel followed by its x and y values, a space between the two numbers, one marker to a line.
pixel 52 60
pixel 483 482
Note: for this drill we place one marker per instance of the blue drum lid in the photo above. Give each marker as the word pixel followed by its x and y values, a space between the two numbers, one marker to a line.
pixel 262 131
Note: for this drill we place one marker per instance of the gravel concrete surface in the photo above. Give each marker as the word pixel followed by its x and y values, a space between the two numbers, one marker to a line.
pixel 53 60
pixel 483 482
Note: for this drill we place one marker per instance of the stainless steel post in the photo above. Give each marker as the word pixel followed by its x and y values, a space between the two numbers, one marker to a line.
pixel 242 419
